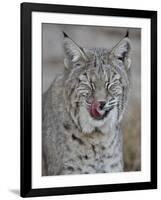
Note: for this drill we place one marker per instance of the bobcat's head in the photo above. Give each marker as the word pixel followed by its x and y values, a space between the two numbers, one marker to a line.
pixel 96 84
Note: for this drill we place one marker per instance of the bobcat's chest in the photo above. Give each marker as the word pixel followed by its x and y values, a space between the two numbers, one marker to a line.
pixel 89 154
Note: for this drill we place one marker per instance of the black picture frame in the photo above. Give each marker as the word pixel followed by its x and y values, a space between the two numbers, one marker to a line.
pixel 26 99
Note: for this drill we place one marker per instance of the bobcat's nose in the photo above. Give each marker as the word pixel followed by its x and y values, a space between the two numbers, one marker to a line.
pixel 102 104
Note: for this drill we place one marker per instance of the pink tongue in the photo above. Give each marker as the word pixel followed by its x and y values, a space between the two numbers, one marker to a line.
pixel 95 110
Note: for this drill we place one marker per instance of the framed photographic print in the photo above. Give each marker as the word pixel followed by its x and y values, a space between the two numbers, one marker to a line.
pixel 88 99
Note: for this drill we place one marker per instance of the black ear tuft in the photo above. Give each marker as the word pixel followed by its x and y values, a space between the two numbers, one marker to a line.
pixel 127 34
pixel 65 35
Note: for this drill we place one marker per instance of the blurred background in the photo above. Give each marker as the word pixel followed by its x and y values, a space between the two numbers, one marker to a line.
pixel 107 37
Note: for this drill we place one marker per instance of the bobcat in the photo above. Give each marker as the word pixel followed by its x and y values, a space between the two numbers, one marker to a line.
pixel 83 108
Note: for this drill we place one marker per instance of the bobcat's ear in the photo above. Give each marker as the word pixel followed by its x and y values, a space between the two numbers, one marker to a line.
pixel 122 50
pixel 73 53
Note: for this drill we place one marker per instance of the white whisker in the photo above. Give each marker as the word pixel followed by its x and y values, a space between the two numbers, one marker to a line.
pixel 113 101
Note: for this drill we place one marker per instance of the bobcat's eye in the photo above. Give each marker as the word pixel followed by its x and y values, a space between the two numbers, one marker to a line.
pixel 114 88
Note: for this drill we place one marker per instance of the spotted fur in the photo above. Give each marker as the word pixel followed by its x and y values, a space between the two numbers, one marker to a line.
pixel 73 142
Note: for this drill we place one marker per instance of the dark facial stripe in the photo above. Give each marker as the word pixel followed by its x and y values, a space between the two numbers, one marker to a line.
pixel 95 63
pixel 71 91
